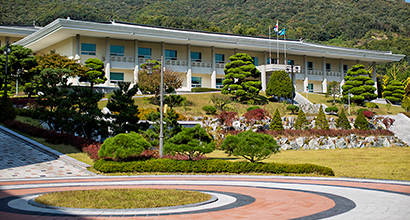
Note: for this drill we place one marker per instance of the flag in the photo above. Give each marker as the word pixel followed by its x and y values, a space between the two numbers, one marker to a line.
pixel 282 32
pixel 276 27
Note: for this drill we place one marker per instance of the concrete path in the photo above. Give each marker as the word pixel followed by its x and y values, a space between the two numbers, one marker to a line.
pixel 400 127
pixel 238 197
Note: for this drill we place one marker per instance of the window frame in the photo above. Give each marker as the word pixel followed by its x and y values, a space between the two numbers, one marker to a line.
pixel 309 67
pixel 330 67
pixel 115 81
pixel 117 54
pixel 220 85
pixel 196 60
pixel 141 55
pixel 255 61
pixel 290 62
pixel 169 57
pixel 220 61
pixel 193 85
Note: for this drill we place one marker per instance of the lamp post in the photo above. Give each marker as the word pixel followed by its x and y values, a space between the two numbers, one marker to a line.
pixel 7 51
pixel 150 67
pixel 292 69
pixel 348 100
pixel 17 75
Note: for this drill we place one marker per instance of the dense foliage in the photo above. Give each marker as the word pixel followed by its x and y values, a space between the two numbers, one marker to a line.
pixel 276 122
pixel 123 146
pixel 394 91
pixel 241 77
pixel 361 122
pixel 301 122
pixel 321 121
pixel 207 166
pixel 359 84
pixel 279 85
pixel 8 112
pixel 342 121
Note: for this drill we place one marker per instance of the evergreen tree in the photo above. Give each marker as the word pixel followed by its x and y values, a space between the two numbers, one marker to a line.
pixel 276 122
pixel 394 91
pixel 361 122
pixel 279 85
pixel 238 74
pixel 301 122
pixel 321 121
pixel 342 121
pixel 95 74
pixel 360 84
pixel 8 112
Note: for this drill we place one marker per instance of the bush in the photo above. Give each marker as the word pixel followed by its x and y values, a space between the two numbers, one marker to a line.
pixel 276 122
pixel 123 146
pixel 208 166
pixel 202 89
pixel 361 110
pixel 210 110
pixel 226 118
pixel 321 121
pixel 368 114
pixel 361 122
pixel 292 108
pixel 332 110
pixel 406 104
pixel 371 105
pixel 252 108
pixel 192 142
pixel 256 115
pixel 8 112
pixel 250 145
pixel 174 100
pixel 342 121
pixel 301 122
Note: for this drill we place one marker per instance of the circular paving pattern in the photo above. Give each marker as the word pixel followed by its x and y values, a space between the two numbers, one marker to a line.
pixel 238 197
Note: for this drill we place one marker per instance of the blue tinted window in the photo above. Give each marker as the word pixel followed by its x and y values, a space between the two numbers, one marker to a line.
pixel 116 50
pixel 291 62
pixel 310 65
pixel 170 54
pixel 255 61
pixel 88 49
pixel 196 81
pixel 196 56
pixel 144 52
pixel 219 58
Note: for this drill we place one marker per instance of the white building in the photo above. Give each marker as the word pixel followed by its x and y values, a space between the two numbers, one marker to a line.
pixel 200 55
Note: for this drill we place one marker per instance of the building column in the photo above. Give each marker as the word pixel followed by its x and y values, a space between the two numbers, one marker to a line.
pixel 235 51
pixel 189 72
pixel 342 76
pixel 77 45
pixel 263 78
pixel 357 62
pixel 107 61
pixel 324 79
pixel 163 51
pixel 265 58
pixel 306 84
pixel 305 67
pixel 374 77
pixel 136 61
pixel 213 75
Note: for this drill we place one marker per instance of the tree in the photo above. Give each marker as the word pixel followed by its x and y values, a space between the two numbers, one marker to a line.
pixel 342 121
pixel 152 82
pixel 292 108
pixel 19 58
pixel 95 73
pixel 406 104
pixel 256 115
pixel 220 101
pixel 174 100
pixel 276 122
pixel 8 112
pixel 360 84
pixel 192 142
pixel 123 146
pixel 279 85
pixel 321 121
pixel 121 102
pixel 361 122
pixel 250 145
pixel 333 89
pixel 301 122
pixel 394 91
pixel 240 77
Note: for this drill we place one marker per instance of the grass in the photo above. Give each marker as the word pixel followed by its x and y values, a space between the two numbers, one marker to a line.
pixel 371 163
pixel 122 198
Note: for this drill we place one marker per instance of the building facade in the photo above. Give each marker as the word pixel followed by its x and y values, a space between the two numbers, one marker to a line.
pixel 200 56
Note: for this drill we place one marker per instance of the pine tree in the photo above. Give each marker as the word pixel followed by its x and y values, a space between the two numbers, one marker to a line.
pixel 276 122
pixel 342 122
pixel 361 122
pixel 301 122
pixel 394 91
pixel 8 112
pixel 321 121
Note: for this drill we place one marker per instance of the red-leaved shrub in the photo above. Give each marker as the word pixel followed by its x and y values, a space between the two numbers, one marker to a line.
pixel 368 114
pixel 227 117
pixel 256 115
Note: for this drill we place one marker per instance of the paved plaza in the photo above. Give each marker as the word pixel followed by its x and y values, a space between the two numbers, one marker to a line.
pixel 29 169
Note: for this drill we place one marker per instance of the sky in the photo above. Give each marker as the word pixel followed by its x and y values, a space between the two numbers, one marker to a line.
pixel 407 0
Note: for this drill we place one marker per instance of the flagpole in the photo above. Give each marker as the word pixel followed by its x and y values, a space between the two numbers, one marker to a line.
pixel 277 45
pixel 270 50
pixel 285 46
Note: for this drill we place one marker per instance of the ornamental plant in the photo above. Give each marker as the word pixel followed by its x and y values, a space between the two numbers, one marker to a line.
pixel 210 110
pixel 360 85
pixel 241 77
pixel 279 85
pixel 8 112
pixel 332 110
pixel 361 122
pixel 276 122
pixel 256 115
pixel 250 145
pixel 321 121
pixel 342 121
pixel 406 104
pixel 292 108
pixel 226 118
pixel 123 146
pixel 301 122
pixel 394 91
pixel 192 142
pixel 252 108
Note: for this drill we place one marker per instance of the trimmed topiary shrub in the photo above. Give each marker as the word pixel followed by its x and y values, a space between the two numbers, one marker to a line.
pixel 252 108
pixel 342 122
pixel 210 110
pixel 276 122
pixel 292 108
pixel 202 89
pixel 406 104
pixel 192 142
pixel 321 121
pixel 360 85
pixel 123 146
pixel 371 105
pixel 301 122
pixel 332 110
pixel 7 111
pixel 207 166
pixel 394 91
pixel 361 122
pixel 250 145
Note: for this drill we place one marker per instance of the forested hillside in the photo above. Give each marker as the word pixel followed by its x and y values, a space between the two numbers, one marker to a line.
pixel 367 24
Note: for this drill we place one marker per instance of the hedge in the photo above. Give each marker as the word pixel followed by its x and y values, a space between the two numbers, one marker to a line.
pixel 207 166
pixel 202 89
